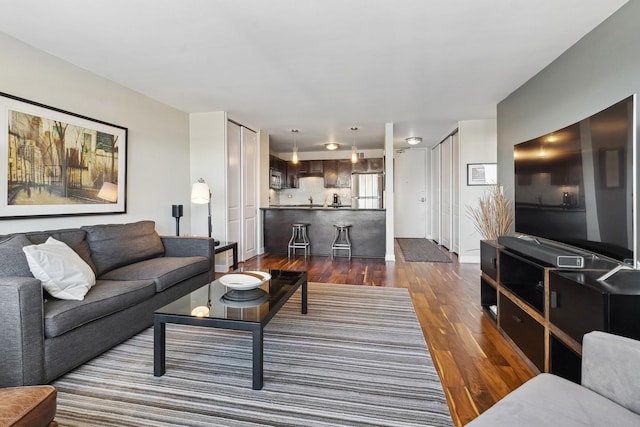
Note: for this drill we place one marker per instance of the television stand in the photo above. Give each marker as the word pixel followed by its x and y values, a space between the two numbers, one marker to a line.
pixel 613 271
pixel 544 310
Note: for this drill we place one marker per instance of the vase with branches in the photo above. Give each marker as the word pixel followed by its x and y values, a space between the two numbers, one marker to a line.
pixel 493 216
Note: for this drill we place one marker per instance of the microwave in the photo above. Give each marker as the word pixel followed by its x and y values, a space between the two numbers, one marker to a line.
pixel 275 179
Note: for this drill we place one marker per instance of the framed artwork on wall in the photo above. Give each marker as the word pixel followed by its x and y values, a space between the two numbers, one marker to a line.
pixel 58 163
pixel 482 173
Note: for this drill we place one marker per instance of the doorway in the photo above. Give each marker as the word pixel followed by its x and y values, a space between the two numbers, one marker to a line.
pixel 410 194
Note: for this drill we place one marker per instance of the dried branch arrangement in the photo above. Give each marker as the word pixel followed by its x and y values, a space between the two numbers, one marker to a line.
pixel 493 216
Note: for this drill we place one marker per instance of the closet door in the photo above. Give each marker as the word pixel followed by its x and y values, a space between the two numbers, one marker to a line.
pixel 445 197
pixel 455 193
pixel 234 187
pixel 435 193
pixel 249 194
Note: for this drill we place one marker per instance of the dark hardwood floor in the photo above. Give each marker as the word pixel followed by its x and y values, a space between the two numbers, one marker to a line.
pixel 476 365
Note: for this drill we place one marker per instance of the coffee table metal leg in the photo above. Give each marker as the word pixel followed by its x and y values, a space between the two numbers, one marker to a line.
pixel 159 334
pixel 304 298
pixel 258 360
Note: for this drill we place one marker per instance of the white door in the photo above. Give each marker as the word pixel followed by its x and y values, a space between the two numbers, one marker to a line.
pixel 410 192
pixel 435 193
pixel 445 194
pixel 249 194
pixel 455 193
pixel 234 188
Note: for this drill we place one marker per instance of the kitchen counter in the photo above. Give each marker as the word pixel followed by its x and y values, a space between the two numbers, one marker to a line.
pixel 367 233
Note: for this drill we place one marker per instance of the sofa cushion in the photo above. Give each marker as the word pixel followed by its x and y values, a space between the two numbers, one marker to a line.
pixel 548 400
pixel 13 261
pixel 105 298
pixel 75 238
pixel 165 271
pixel 117 245
pixel 28 406
pixel 63 273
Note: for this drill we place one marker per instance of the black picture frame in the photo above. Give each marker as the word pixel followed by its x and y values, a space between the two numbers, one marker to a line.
pixel 59 163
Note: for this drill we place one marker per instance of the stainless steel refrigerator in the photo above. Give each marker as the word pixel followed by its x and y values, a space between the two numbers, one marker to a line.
pixel 366 190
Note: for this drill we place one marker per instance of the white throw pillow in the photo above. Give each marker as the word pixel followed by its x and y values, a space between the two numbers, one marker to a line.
pixel 60 269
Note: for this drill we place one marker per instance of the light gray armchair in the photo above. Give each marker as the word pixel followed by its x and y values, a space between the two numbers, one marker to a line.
pixel 609 394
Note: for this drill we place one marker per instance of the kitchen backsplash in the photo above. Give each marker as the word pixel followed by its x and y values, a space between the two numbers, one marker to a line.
pixel 309 187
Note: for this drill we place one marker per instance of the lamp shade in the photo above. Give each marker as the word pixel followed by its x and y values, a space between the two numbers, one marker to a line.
pixel 108 192
pixel 200 192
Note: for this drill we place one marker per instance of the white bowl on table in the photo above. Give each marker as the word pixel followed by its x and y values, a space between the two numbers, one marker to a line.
pixel 245 280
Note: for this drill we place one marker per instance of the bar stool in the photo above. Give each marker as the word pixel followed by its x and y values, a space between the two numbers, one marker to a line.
pixel 299 239
pixel 341 241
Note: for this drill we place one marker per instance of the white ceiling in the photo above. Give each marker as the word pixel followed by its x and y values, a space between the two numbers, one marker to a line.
pixel 320 66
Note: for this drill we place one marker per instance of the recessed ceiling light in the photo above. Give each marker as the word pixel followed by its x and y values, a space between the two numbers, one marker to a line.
pixel 331 146
pixel 413 140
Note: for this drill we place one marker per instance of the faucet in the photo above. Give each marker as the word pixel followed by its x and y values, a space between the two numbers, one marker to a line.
pixel 310 201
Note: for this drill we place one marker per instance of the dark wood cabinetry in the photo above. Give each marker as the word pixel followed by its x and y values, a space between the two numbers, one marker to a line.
pixel 524 330
pixel 375 165
pixel 310 168
pixel 545 311
pixel 292 175
pixel 279 165
pixel 337 173
pixel 369 165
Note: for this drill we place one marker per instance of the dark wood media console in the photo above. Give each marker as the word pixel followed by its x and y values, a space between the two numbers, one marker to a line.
pixel 544 310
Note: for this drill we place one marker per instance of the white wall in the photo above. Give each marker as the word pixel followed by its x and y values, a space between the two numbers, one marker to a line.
pixel 388 192
pixel 478 143
pixel 158 139
pixel 263 184
pixel 208 135
pixel 599 70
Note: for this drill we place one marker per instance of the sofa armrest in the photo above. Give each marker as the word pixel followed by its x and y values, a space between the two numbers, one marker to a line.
pixel 178 246
pixel 610 368
pixel 21 331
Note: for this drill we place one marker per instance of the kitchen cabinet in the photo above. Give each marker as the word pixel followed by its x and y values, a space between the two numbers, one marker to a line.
pixel 310 168
pixel 279 165
pixel 369 165
pixel 344 174
pixel 337 173
pixel 292 175
pixel 330 173
pixel 375 165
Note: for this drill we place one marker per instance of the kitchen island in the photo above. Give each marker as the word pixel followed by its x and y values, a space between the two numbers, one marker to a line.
pixel 368 229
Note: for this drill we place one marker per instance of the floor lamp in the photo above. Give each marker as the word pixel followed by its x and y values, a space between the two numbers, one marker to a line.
pixel 201 194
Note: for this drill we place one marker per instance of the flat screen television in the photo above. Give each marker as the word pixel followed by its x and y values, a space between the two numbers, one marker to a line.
pixel 576 185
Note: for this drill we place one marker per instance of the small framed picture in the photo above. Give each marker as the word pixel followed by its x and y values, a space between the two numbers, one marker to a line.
pixel 482 173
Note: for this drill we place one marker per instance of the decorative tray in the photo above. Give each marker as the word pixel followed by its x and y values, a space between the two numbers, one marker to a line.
pixel 245 280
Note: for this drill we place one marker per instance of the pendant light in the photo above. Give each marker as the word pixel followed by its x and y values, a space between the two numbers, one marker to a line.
pixel 354 152
pixel 294 156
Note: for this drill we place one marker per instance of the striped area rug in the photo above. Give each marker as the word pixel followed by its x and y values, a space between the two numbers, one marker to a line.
pixel 357 358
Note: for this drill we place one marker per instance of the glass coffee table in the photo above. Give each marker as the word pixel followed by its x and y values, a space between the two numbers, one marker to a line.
pixel 217 306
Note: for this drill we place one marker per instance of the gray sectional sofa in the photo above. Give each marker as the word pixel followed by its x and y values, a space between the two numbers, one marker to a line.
pixel 137 271
pixel 609 394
